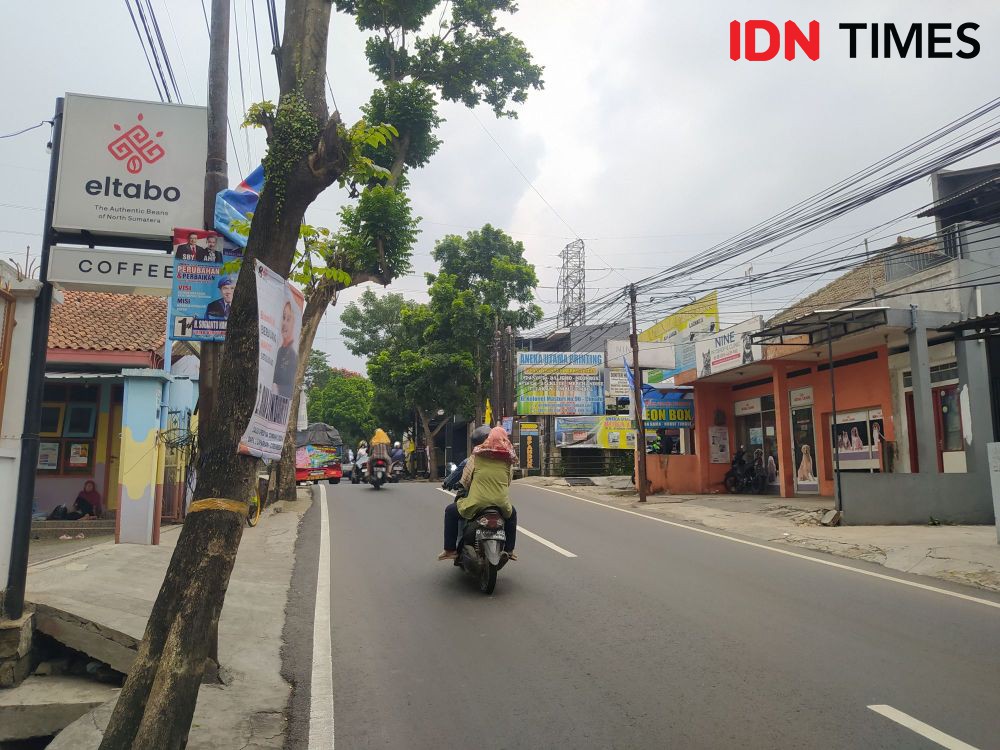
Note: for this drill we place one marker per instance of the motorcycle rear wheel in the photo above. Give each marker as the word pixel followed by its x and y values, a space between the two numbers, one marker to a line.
pixel 487 578
pixel 732 484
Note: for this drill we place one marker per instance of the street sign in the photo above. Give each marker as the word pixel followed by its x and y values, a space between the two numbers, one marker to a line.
pixel 116 271
pixel 130 168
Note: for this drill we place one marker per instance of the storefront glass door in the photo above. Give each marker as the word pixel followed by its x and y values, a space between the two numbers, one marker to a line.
pixel 804 448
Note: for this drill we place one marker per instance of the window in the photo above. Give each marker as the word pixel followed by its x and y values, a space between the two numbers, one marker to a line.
pixel 52 419
pixel 939 374
pixel 68 429
pixel 80 420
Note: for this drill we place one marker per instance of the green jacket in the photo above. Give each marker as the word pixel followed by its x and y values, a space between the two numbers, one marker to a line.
pixel 488 480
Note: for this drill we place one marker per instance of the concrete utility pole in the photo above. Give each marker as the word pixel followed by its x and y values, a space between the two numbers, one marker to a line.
pixel 637 400
pixel 497 378
pixel 216 179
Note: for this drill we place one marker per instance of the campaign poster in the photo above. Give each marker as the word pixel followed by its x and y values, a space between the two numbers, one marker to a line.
pixel 202 291
pixel 279 307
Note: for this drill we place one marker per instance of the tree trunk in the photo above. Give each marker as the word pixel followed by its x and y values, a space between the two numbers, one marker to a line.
pixel 155 707
pixel 429 437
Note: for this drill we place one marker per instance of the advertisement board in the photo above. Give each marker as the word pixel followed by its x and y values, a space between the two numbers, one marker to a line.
pixel 858 439
pixel 202 292
pixel 279 307
pixel 115 271
pixel 729 348
pixel 718 444
pixel 652 354
pixel 667 408
pixel 570 383
pixel 529 452
pixel 129 167
pixel 682 329
pixel 611 433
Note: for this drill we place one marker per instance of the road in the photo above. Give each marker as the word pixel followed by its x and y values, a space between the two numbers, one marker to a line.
pixel 653 635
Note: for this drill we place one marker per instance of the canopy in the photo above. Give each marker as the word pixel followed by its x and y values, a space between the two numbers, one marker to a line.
pixel 318 434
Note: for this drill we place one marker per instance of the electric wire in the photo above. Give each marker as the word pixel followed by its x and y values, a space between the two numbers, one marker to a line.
pixel 145 52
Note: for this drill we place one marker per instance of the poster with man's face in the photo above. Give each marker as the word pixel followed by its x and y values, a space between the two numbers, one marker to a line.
pixel 202 293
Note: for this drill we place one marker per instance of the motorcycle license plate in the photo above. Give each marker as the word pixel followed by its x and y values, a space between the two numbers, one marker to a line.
pixel 491 534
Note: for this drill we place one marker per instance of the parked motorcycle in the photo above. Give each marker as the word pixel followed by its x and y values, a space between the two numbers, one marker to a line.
pixel 378 473
pixel 747 476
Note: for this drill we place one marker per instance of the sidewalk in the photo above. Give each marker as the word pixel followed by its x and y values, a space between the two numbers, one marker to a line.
pixel 110 589
pixel 961 554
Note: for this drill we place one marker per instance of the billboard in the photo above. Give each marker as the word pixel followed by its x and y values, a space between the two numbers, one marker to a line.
pixel 279 309
pixel 129 167
pixel 612 433
pixel 570 383
pixel 667 408
pixel 729 348
pixel 202 292
pixel 653 354
pixel 682 329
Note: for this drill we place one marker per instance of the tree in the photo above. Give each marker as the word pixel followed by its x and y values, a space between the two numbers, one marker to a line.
pixel 308 150
pixel 344 401
pixel 484 285
pixel 318 373
pixel 418 52
pixel 371 323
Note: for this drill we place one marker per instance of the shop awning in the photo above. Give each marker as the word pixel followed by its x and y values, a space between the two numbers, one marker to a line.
pixel 989 323
pixel 822 325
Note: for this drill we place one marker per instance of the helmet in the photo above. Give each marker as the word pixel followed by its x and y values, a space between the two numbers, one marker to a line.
pixel 480 434
pixel 396 445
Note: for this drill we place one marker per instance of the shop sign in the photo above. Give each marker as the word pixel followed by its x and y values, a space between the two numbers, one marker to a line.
pixel 528 428
pixel 800 397
pixel 617 385
pixel 682 329
pixel 564 383
pixel 115 271
pixel 529 445
pixel 670 409
pixel 131 168
pixel 729 348
pixel 655 354
pixel 747 406
pixel 611 433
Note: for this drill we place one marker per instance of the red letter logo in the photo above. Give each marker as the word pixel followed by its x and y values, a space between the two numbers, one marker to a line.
pixel 809 44
pixel 136 146
pixel 753 54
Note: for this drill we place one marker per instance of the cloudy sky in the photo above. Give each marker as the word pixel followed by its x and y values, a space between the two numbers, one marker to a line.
pixel 647 141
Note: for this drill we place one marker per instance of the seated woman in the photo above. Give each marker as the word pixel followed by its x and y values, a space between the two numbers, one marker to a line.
pixel 487 476
pixel 87 504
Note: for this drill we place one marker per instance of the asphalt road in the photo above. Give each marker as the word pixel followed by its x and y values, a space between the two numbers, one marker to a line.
pixel 652 636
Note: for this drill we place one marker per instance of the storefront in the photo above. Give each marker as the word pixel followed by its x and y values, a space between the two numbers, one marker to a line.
pixel 755 427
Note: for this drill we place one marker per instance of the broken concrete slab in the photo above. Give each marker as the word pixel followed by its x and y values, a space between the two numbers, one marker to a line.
pixel 15 648
pixel 42 706
pixel 97 641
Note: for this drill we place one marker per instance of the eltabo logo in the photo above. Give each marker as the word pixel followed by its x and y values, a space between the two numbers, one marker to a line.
pixel 136 146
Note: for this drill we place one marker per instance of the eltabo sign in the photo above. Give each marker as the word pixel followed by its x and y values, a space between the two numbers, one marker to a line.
pixel 115 271
pixel 129 167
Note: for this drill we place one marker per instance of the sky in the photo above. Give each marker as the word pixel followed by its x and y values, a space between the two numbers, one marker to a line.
pixel 647 140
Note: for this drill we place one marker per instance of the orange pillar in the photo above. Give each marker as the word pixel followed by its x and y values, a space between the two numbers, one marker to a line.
pixel 783 430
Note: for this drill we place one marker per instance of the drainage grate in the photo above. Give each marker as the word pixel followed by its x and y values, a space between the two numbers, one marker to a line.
pixel 579 482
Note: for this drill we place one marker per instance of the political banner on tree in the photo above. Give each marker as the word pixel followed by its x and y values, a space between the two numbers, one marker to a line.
pixel 279 308
pixel 202 292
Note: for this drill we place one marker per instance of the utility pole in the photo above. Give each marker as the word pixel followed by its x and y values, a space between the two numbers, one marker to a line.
pixel 17 573
pixel 637 400
pixel 216 179
pixel 497 376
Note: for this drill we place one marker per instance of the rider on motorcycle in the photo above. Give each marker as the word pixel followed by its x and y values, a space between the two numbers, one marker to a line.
pixel 487 476
pixel 379 449
pixel 396 454
pixel 453 480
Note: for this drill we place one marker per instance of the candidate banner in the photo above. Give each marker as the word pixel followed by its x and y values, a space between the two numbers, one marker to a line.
pixel 729 348
pixel 202 292
pixel 611 433
pixel 570 383
pixel 279 308
pixel 682 329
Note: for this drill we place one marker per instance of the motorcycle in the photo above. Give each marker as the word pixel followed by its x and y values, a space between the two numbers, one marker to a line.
pixel 480 547
pixel 744 476
pixel 358 470
pixel 379 473
pixel 396 471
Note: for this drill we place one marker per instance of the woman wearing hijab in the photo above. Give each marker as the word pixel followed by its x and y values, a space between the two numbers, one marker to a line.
pixel 87 504
pixel 487 475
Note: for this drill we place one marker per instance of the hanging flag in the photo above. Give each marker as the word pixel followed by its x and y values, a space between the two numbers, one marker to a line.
pixel 236 203
pixel 488 417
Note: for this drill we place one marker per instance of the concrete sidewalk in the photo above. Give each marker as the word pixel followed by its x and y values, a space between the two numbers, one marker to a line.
pixel 960 554
pixel 111 588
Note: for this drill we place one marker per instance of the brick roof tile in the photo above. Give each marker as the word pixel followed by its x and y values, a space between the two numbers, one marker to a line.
pixel 97 321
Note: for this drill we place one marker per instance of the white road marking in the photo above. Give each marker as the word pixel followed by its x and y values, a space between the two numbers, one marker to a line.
pixel 321 682
pixel 789 553
pixel 533 535
pixel 546 542
pixel 924 730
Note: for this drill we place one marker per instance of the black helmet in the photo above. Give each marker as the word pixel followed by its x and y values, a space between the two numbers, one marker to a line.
pixel 480 434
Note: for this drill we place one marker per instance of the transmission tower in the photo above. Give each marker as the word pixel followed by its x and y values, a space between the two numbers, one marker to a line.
pixel 571 292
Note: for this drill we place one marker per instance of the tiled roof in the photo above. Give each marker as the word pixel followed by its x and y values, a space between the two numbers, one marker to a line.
pixel 97 321
pixel 854 287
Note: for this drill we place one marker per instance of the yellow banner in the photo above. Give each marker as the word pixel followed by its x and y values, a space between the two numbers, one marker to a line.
pixel 694 316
